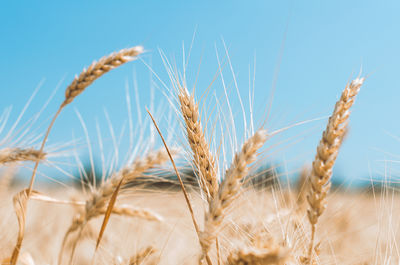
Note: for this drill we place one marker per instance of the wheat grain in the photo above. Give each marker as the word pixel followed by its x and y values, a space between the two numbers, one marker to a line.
pixel 327 152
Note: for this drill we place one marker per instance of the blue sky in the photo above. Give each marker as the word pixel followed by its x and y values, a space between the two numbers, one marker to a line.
pixel 316 45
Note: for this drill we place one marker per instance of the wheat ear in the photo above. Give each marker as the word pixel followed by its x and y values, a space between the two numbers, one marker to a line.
pixel 9 155
pixel 327 152
pixel 128 175
pixel 142 255
pixel 229 188
pixel 202 156
pixel 96 205
pixel 97 69
pixel 79 84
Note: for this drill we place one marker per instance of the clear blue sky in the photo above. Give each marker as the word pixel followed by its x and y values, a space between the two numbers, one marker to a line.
pixel 325 44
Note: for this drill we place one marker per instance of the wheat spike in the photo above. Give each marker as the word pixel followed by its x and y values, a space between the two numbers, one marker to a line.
pixel 202 156
pixel 97 204
pixel 229 188
pixel 10 155
pixel 128 210
pixel 327 152
pixel 97 69
pixel 142 255
pixel 127 174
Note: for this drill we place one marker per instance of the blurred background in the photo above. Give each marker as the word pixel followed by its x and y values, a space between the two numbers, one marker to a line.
pixel 294 56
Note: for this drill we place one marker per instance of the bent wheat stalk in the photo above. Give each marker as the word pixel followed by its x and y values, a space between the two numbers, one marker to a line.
pixel 80 83
pixel 325 158
pixel 229 188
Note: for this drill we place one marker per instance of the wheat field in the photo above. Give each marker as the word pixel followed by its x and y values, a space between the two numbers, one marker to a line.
pixel 182 202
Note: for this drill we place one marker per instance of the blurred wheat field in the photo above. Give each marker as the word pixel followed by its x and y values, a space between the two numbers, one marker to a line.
pixel 209 212
pixel 357 229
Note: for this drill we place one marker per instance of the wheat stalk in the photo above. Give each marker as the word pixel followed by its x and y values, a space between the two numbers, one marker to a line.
pixel 10 155
pixel 327 152
pixel 202 156
pixel 229 188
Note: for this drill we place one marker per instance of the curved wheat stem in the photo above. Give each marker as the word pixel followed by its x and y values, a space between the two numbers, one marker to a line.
pixel 327 152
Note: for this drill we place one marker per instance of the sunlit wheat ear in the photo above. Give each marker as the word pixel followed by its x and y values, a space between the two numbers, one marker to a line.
pixel 327 152
pixel 139 167
pixel 100 202
pixel 230 187
pixel 97 69
pixel 202 156
pixel 79 84
pixel 9 155
pixel 142 255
